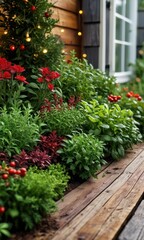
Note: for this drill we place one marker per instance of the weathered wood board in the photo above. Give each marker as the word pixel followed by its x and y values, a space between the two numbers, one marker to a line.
pixel 99 208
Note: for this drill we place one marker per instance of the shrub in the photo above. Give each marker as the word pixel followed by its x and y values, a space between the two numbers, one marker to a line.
pixel 26 200
pixel 82 154
pixel 63 121
pixel 20 129
pixel 116 127
pixel 80 79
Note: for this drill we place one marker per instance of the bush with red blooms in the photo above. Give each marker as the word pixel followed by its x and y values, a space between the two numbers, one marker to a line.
pixel 43 155
pixel 44 87
pixel 10 79
pixel 114 98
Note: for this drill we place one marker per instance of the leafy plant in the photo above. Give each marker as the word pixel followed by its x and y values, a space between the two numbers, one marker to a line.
pixel 113 125
pixel 82 154
pixel 80 79
pixel 27 199
pixel 63 121
pixel 20 129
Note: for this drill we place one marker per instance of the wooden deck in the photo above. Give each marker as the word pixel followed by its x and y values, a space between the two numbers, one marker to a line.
pixel 99 208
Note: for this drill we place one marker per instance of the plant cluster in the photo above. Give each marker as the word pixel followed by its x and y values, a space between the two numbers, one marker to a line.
pixel 19 190
pixel 114 126
pixel 80 79
pixel 43 154
pixel 20 129
pixel 82 154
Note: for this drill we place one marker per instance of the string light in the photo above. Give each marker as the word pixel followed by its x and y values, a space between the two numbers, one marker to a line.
pixel 62 30
pixel 28 39
pixel 80 11
pixel 79 33
pixel 5 32
pixel 38 26
pixel 84 55
pixel 45 50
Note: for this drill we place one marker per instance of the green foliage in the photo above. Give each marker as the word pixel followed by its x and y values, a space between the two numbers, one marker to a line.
pixel 19 129
pixel 28 199
pixel 82 154
pixel 80 79
pixel 137 107
pixel 63 121
pixel 116 127
pixel 29 25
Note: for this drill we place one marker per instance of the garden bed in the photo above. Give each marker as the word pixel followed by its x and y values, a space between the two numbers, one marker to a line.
pixel 98 208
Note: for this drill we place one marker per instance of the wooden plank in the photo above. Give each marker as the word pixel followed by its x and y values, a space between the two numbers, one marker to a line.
pixel 69 5
pixel 135 226
pixel 69 231
pixel 69 36
pixel 109 219
pixel 66 19
pixel 123 212
pixel 79 198
pixel 91 10
pixel 91 35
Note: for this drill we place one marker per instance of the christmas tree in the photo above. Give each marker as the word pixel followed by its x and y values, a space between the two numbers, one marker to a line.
pixel 27 39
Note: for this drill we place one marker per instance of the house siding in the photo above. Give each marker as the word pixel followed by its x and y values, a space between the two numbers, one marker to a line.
pixel 66 11
pixel 91 25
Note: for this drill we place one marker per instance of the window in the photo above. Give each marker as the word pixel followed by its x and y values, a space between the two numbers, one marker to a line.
pixel 122 37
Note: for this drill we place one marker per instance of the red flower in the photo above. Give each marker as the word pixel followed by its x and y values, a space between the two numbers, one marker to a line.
pixel 6 75
pixel 45 71
pixel 54 75
pixel 4 64
pixel 16 69
pixel 40 80
pixel 50 86
pixel 21 78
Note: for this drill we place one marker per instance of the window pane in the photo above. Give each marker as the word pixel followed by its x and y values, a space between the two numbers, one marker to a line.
pixel 127 31
pixel 118 67
pixel 127 58
pixel 119 6
pixel 118 29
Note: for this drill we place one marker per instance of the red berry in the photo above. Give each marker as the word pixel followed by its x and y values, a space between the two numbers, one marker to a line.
pixel 2 209
pixel 33 8
pixel 23 172
pixel 12 171
pixel 5 176
pixel 22 47
pixel 129 95
pixel 118 97
pixel 139 98
pixel 12 164
pixel 18 172
pixel 12 47
pixel 23 169
pixel 46 14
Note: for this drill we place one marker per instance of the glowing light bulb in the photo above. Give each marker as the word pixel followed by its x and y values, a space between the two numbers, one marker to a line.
pixel 39 26
pixel 80 11
pixel 27 35
pixel 5 32
pixel 79 33
pixel 62 30
pixel 45 50
pixel 84 55
pixel 28 39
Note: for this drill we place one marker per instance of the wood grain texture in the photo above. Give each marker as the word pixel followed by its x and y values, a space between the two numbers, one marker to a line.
pixel 85 202
pixel 66 19
pixel 69 5
pixel 134 228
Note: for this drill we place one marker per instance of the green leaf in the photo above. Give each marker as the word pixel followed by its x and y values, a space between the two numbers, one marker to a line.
pixel 13 213
pixel 105 126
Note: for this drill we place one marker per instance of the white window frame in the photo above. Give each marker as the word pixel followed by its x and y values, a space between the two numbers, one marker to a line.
pixel 122 76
